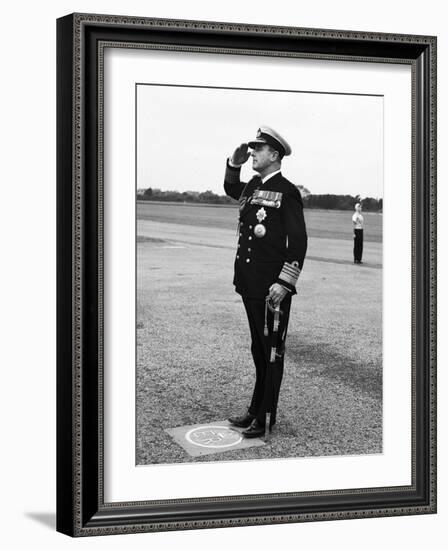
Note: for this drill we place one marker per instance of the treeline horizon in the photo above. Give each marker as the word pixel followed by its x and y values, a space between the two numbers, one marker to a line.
pixel 325 202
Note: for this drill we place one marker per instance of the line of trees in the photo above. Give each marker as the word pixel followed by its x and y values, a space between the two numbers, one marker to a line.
pixel 326 202
pixel 342 202
pixel 206 197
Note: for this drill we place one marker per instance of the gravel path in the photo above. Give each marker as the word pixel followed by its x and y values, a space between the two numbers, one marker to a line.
pixel 193 357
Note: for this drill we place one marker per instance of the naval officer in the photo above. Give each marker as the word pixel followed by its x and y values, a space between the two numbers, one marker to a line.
pixel 358 233
pixel 271 250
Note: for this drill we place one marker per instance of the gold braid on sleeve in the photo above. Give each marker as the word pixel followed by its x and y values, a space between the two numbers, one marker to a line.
pixel 290 273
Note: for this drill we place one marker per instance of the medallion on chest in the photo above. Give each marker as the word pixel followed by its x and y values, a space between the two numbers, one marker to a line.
pixel 260 229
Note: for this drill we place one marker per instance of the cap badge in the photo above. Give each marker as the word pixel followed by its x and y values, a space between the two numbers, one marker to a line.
pixel 259 133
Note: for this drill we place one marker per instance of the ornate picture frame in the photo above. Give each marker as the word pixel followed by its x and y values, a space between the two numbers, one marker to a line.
pixel 81 506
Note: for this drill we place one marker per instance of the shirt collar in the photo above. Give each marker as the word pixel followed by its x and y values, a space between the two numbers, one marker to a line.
pixel 269 176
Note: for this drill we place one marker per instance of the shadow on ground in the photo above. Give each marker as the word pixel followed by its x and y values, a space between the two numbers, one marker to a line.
pixel 48 519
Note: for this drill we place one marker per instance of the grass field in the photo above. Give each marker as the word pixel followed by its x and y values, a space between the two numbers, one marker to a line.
pixel 193 357
pixel 320 223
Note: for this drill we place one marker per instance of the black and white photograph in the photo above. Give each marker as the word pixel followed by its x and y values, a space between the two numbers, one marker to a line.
pixel 259 265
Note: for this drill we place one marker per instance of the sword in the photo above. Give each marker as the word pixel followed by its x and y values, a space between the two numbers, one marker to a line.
pixel 266 426
pixel 276 311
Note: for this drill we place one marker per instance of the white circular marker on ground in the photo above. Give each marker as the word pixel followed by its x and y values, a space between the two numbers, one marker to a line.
pixel 213 437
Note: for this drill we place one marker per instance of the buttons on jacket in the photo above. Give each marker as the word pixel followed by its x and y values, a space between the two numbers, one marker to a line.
pixel 243 238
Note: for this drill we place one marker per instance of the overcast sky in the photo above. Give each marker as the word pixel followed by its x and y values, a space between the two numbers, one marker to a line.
pixel 184 135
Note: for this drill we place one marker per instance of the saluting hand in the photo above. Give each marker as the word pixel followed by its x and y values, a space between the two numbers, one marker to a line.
pixel 276 294
pixel 241 154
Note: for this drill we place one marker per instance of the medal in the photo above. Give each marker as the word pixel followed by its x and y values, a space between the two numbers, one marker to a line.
pixel 259 230
pixel 267 198
pixel 261 214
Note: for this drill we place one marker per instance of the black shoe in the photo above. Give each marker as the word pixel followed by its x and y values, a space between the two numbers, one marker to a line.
pixel 255 429
pixel 242 421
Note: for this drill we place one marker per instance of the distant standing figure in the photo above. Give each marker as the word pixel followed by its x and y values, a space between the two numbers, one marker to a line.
pixel 358 228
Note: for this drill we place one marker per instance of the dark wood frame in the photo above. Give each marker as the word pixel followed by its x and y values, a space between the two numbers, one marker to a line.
pixel 81 510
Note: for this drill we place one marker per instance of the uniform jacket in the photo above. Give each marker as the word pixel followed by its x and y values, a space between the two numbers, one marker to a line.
pixel 278 256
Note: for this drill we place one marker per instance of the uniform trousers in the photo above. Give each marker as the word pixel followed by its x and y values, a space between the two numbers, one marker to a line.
pixel 267 384
pixel 357 245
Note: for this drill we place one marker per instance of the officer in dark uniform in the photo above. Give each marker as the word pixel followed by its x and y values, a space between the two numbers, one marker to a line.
pixel 271 250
